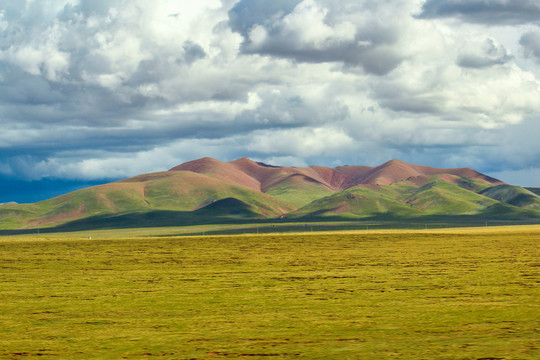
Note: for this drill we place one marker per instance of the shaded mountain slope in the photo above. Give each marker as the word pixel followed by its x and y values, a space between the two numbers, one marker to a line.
pixel 513 195
pixel 228 207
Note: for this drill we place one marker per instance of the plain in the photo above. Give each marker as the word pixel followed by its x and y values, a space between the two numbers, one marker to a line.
pixel 417 294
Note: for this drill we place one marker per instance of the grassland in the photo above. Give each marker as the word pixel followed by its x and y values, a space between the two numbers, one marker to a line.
pixel 424 294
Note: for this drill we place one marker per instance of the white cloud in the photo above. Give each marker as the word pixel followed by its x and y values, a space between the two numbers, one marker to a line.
pixel 285 161
pixel 481 87
pixel 92 89
pixel 229 108
pixel 303 142
pixel 3 22
pixel 484 53
pixel 307 24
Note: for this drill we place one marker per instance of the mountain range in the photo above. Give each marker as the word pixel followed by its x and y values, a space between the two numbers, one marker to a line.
pixel 210 191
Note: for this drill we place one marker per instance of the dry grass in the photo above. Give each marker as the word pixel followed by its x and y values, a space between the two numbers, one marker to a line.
pixel 430 294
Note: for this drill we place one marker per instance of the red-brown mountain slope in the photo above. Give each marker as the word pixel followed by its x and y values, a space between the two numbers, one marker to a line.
pixel 262 177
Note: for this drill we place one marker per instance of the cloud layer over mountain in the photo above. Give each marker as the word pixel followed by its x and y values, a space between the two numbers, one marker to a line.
pixel 108 89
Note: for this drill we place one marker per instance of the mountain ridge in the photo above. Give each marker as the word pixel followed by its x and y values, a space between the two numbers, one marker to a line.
pixel 338 178
pixel 207 189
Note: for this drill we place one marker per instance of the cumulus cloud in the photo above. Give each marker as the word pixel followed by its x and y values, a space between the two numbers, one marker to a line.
pixel 483 55
pixel 109 89
pixel 319 31
pixel 304 143
pixel 449 96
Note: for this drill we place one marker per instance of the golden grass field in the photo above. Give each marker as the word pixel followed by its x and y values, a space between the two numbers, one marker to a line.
pixel 388 294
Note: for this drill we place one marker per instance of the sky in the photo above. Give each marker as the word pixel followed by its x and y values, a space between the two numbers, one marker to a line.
pixel 93 91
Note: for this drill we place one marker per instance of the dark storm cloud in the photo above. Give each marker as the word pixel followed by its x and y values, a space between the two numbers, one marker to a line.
pixel 531 45
pixel 493 12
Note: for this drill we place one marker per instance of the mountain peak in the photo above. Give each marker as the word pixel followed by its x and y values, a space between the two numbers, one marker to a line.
pixel 394 162
pixel 257 175
pixel 390 172
pixel 197 165
pixel 243 160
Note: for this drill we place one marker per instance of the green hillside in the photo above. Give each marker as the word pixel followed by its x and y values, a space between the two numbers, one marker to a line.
pixel 359 201
pixel 224 210
pixel 514 195
pixel 437 197
pixel 178 191
pixel 207 190
pixel 505 211
pixel 298 190
pixel 475 185
pixel 441 197
pixel 15 216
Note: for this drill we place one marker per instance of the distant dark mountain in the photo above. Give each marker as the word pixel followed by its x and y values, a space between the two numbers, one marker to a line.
pixel 209 190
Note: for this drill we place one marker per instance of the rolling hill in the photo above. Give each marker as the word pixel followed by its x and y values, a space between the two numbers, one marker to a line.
pixel 208 190
pixel 513 195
